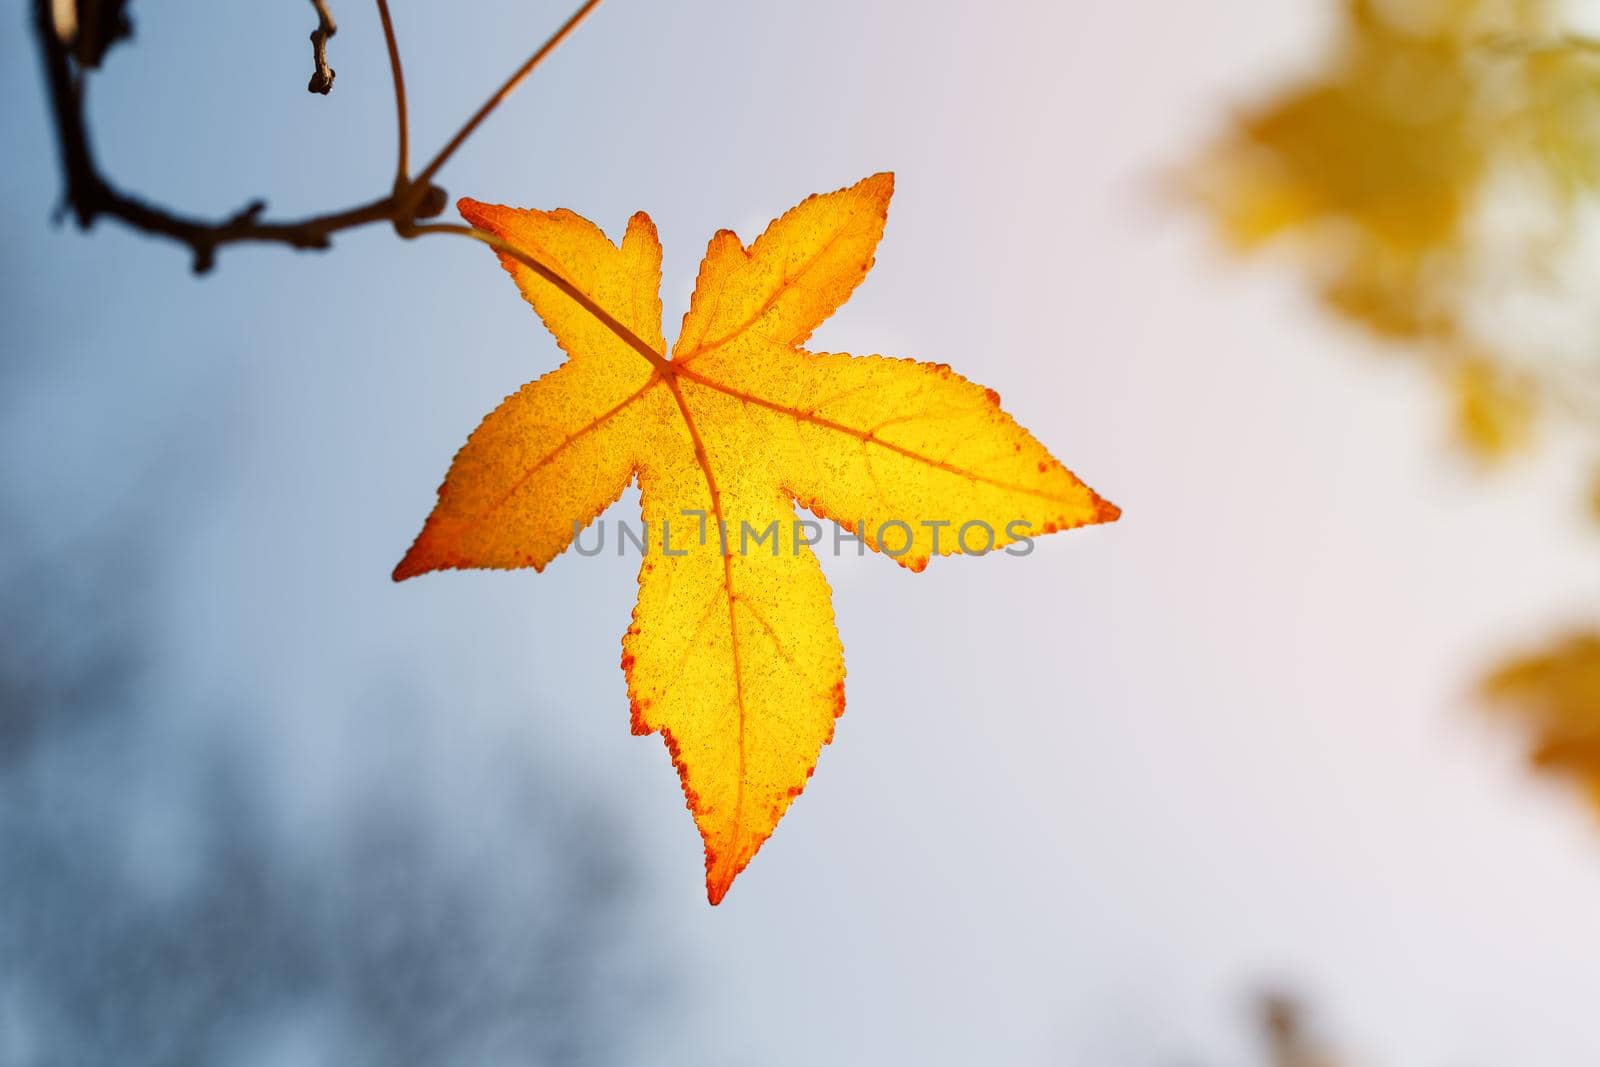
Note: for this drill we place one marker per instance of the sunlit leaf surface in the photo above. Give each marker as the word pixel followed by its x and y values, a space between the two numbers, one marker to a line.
pixel 733 655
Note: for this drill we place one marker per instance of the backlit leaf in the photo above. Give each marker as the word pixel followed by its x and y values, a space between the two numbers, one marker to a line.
pixel 732 654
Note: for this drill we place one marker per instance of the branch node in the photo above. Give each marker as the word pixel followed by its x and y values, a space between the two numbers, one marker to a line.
pixel 433 202
pixel 248 215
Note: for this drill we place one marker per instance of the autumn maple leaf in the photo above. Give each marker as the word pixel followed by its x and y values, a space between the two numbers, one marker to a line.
pixel 733 654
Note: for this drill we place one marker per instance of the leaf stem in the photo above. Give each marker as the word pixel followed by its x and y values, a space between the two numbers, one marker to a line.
pixel 503 92
pixel 660 362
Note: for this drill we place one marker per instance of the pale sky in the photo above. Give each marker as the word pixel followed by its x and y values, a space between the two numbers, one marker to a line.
pixel 1081 804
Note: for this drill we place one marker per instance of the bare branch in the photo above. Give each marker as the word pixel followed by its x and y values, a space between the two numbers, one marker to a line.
pixel 322 77
pixel 90 196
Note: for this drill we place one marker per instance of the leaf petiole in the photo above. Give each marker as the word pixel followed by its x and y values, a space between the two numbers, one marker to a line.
pixel 660 362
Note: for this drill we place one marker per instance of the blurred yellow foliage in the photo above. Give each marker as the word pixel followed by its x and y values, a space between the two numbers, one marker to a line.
pixel 1384 144
pixel 1439 182
pixel 1494 409
pixel 1377 172
pixel 1557 693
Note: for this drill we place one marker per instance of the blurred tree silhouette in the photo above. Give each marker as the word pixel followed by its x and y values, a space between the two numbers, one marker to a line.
pixel 225 938
pixel 54 673
pixel 385 949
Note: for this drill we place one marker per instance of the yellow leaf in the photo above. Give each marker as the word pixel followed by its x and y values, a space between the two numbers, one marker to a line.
pixel 733 655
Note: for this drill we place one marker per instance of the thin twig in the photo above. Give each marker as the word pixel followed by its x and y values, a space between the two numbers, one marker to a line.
pixel 322 76
pixel 403 163
pixel 505 90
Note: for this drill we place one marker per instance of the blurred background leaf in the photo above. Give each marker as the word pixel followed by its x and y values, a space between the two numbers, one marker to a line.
pixel 1555 693
pixel 1437 183
pixel 1433 182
